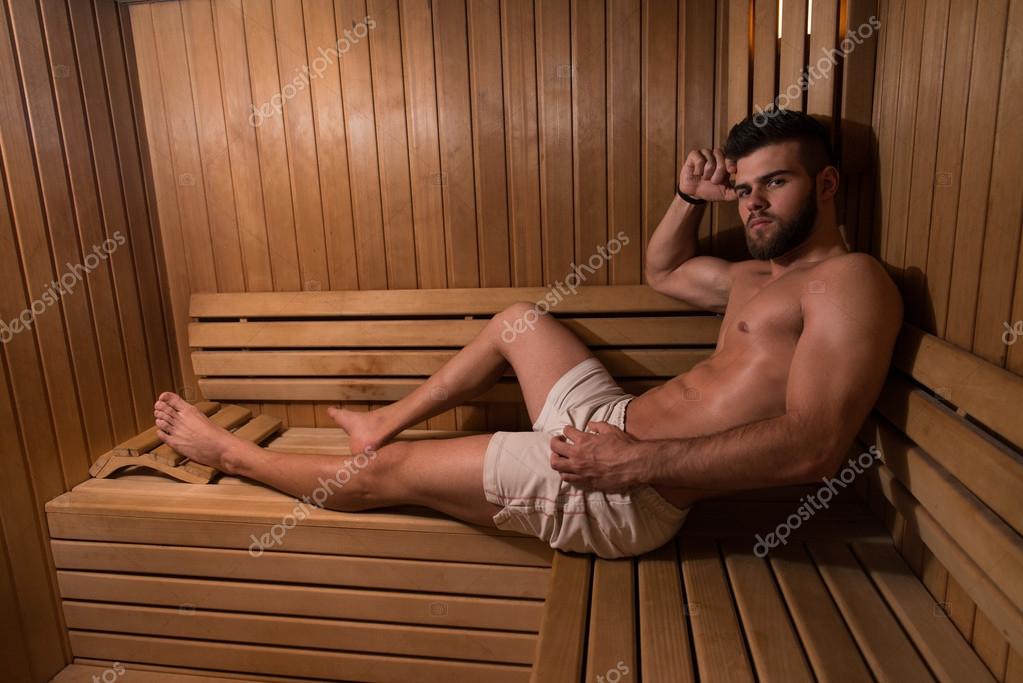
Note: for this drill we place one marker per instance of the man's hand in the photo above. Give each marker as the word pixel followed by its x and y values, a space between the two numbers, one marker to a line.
pixel 606 461
pixel 705 175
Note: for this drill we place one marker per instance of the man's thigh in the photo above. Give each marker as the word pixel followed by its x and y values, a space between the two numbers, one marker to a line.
pixel 540 353
pixel 442 474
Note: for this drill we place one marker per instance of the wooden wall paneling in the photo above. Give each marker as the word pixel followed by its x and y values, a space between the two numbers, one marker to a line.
pixel 268 115
pixel 13 647
pixel 625 131
pixel 323 52
pixel 820 92
pixel 1014 357
pixel 856 140
pixel 662 157
pixel 888 98
pixel 554 105
pixel 728 229
pixel 1014 667
pixel 487 102
pixel 589 126
pixel 719 211
pixel 948 166
pixel 183 146
pixel 164 185
pixel 697 43
pixel 300 140
pixel 134 410
pixel 78 161
pixel 26 556
pixel 904 129
pixel 765 54
pixel 518 58
pixel 792 53
pixel 424 153
pixel 392 142
pixel 61 351
pixel 455 137
pixel 200 59
pixel 922 174
pixel 999 265
pixel 971 221
pixel 114 41
pixel 232 65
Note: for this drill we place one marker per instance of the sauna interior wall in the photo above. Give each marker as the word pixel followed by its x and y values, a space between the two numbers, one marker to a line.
pixel 946 119
pixel 84 376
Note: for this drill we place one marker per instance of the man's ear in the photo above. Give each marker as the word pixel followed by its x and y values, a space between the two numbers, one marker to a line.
pixel 827 182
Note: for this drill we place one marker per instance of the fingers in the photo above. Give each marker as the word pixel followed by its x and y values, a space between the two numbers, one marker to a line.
pixel 601 427
pixel 708 163
pixel 721 168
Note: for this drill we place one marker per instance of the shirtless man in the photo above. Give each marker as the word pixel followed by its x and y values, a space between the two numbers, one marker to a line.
pixel 803 351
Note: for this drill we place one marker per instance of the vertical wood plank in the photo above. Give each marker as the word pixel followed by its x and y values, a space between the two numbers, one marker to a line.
pixel 589 126
pixel 454 121
pixel 518 58
pixel 392 143
pixel 554 103
pixel 424 154
pixel 488 136
pixel 624 140
pixel 971 221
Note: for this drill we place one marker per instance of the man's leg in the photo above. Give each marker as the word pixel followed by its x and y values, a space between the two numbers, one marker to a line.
pixel 539 355
pixel 443 474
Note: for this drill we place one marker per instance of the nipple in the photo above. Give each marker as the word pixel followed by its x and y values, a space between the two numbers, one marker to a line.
pixel 743 327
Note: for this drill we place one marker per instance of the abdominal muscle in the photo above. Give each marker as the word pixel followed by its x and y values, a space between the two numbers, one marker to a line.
pixel 727 390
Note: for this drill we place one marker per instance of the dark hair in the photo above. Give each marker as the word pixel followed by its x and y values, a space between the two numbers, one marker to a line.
pixel 775 125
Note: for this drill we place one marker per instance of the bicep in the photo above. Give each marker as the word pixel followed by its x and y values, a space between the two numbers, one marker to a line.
pixel 703 281
pixel 842 358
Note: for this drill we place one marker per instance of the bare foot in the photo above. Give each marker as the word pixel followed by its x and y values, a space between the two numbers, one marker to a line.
pixel 185 429
pixel 365 429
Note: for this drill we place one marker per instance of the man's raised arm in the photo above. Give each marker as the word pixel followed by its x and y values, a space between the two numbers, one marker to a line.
pixel 672 266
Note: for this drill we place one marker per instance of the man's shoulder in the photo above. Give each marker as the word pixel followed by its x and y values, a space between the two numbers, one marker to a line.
pixel 855 281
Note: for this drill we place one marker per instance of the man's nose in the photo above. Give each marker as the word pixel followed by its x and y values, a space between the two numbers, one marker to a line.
pixel 756 201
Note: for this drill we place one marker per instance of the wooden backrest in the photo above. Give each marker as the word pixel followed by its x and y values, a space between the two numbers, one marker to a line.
pixel 378 345
pixel 948 425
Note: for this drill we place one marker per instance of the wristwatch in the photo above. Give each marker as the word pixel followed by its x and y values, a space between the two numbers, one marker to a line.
pixel 689 198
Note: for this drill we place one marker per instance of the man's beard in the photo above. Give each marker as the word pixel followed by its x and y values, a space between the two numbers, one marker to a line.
pixel 788 235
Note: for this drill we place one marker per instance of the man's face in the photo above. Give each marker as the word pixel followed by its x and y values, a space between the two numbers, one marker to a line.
pixel 777 200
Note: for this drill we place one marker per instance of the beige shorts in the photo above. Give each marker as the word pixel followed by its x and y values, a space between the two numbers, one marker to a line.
pixel 517 475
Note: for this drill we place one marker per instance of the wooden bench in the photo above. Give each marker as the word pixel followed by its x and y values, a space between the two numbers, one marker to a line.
pixel 844 599
pixel 155 574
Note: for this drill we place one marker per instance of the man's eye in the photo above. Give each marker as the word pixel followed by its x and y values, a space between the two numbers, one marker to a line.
pixel 777 182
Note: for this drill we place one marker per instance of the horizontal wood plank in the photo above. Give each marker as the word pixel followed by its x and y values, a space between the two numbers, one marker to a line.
pixel 454 333
pixel 428 609
pixel 327 634
pixel 288 661
pixel 453 301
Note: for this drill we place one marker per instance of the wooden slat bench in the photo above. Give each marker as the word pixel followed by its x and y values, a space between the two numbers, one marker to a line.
pixel 155 574
pixel 839 602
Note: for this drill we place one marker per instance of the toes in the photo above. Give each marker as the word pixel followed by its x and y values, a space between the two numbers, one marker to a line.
pixel 173 400
pixel 162 434
pixel 165 413
pixel 163 425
